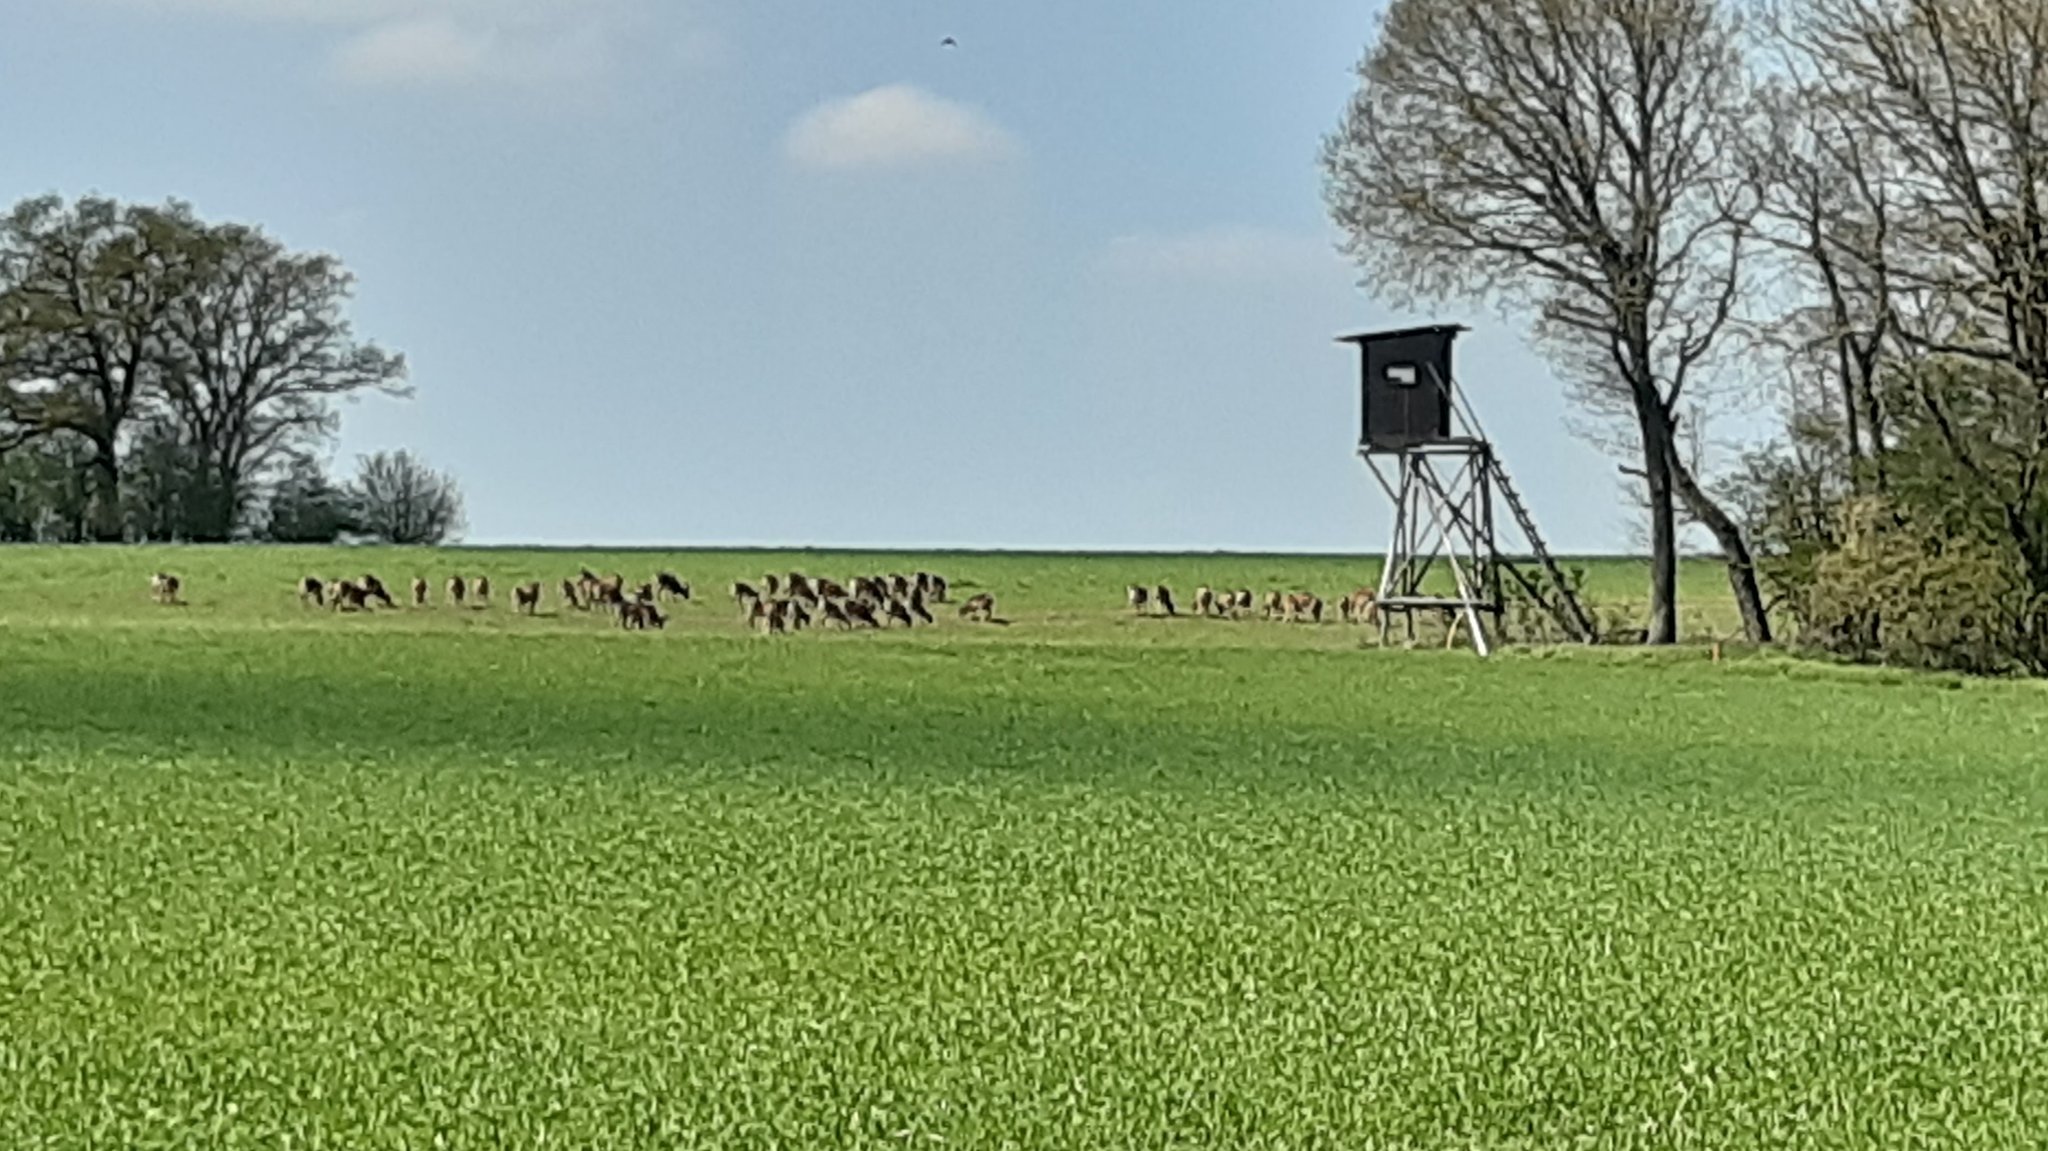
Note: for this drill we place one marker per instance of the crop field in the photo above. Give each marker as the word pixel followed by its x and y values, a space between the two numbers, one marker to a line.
pixel 283 878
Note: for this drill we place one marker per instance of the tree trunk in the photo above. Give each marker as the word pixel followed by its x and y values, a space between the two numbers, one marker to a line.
pixel 106 498
pixel 1749 600
pixel 1663 620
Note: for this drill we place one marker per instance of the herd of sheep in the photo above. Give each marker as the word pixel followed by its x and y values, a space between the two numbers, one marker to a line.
pixel 1361 606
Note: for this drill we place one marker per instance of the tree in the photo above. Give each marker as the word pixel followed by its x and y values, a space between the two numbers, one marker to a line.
pixel 260 348
pixel 1573 159
pixel 307 507
pixel 86 293
pixel 399 499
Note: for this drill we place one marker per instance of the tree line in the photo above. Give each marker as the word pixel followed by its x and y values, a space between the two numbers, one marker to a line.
pixel 1834 211
pixel 167 378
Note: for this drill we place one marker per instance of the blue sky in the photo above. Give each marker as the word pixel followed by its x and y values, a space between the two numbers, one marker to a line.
pixel 704 271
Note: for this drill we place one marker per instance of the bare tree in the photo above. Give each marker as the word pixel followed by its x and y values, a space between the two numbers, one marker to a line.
pixel 1956 96
pixel 1573 159
pixel 261 350
pixel 399 499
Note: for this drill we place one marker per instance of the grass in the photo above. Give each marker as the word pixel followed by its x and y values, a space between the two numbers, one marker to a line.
pixel 277 878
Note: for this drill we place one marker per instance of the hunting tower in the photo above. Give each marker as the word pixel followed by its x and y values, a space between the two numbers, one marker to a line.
pixel 1424 445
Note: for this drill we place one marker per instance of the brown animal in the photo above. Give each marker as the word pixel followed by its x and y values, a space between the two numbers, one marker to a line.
pixel 419 593
pixel 1304 604
pixel 311 589
pixel 826 589
pixel 672 587
pixel 348 595
pixel 1137 597
pixel 639 615
pixel 458 590
pixel 1164 598
pixel 570 596
pixel 609 592
pixel 917 607
pixel 859 612
pixel 1361 606
pixel 373 588
pixel 526 597
pixel 163 587
pixel 981 607
pixel 481 591
pixel 939 589
pixel 644 593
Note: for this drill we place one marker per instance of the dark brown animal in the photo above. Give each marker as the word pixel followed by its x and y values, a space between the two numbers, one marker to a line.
pixel 1164 598
pixel 348 595
pixel 481 591
pixel 747 599
pixel 835 614
pixel 826 589
pixel 373 588
pixel 458 590
pixel 570 595
pixel 859 612
pixel 526 597
pixel 419 593
pixel 981 607
pixel 672 587
pixel 939 589
pixel 1137 597
pixel 896 611
pixel 311 589
pixel 917 607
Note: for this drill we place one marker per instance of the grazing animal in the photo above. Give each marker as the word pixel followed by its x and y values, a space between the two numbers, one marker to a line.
pixel 639 615
pixel 1304 604
pixel 373 588
pixel 939 589
pixel 481 591
pixel 672 587
pixel 917 607
pixel 311 589
pixel 164 586
pixel 835 614
pixel 898 612
pixel 826 589
pixel 610 592
pixel 1271 606
pixel 458 590
pixel 772 584
pixel 526 597
pixel 859 612
pixel 899 587
pixel 419 593
pixel 1164 597
pixel 644 593
pixel 1205 601
pixel 1242 601
pixel 349 596
pixel 981 607
pixel 569 594
pixel 1361 606
pixel 1137 597
pixel 744 595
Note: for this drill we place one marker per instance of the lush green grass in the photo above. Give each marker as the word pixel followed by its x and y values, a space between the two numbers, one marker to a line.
pixel 1084 881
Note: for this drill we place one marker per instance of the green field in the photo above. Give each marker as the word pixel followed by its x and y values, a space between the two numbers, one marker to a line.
pixel 275 878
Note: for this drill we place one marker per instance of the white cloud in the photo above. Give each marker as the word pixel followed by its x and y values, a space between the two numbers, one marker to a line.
pixel 459 42
pixel 894 126
pixel 434 49
pixel 1225 253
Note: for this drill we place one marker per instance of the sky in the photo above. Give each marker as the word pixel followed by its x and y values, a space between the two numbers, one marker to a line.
pixel 791 273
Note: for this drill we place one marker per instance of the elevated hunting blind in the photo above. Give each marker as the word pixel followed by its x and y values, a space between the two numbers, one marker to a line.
pixel 1405 386
pixel 1444 476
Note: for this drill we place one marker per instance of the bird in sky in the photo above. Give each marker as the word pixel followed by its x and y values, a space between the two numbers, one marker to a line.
pixel 949 42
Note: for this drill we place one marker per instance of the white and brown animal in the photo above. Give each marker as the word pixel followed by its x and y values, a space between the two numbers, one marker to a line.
pixel 164 587
pixel 419 593
pixel 458 590
pixel 313 590
pixel 373 588
pixel 1137 597
pixel 480 591
pixel 981 608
